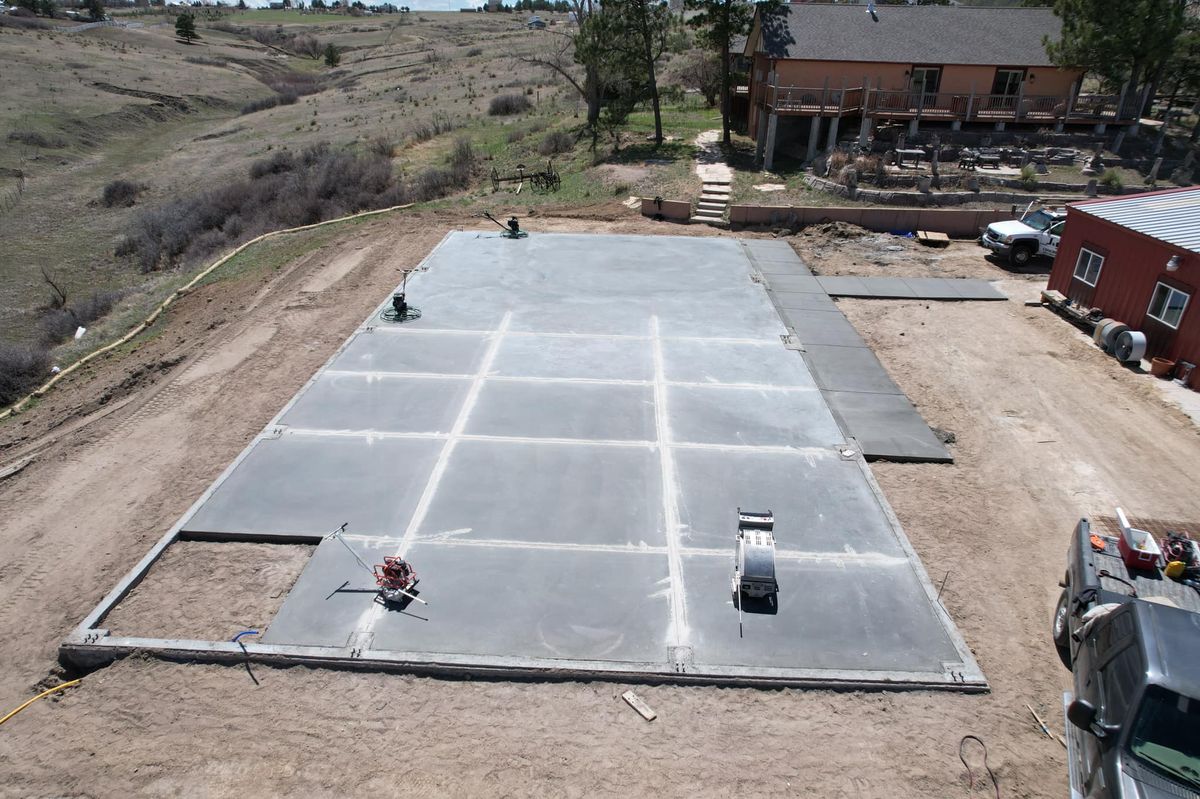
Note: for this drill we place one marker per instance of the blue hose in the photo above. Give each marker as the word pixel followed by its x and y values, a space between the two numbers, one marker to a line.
pixel 244 632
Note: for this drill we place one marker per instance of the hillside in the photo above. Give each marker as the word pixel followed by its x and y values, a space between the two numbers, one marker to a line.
pixel 180 123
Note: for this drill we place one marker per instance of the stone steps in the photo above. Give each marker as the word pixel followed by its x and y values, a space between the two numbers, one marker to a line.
pixel 714 202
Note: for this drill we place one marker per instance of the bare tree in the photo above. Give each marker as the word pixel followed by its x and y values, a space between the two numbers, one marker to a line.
pixel 558 55
pixel 58 295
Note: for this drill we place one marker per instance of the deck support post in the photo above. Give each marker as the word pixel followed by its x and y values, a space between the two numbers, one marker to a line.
pixel 761 142
pixel 831 141
pixel 864 127
pixel 769 157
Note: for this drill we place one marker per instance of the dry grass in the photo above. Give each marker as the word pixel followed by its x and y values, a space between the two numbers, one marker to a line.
pixel 86 111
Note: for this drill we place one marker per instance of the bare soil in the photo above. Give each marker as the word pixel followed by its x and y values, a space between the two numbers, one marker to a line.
pixel 207 591
pixel 836 248
pixel 1047 428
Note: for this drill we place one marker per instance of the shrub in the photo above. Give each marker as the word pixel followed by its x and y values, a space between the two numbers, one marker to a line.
pixel 282 161
pixel 1028 177
pixel 672 94
pixel 59 324
pixel 285 190
pixel 507 104
pixel 14 20
pixel 35 139
pixel 121 193
pixel 381 145
pixel 260 105
pixel 1111 179
pixel 308 46
pixel 516 135
pixel 868 164
pixel 474 51
pixel 424 131
pixel 204 60
pixel 555 142
pixel 296 83
pixel 699 70
pixel 837 161
pixel 21 368
pixel 462 161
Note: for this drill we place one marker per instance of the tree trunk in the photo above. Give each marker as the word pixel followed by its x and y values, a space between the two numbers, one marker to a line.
pixel 1151 93
pixel 648 54
pixel 1133 97
pixel 725 78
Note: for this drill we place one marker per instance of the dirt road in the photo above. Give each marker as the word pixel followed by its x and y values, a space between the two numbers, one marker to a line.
pixel 1048 429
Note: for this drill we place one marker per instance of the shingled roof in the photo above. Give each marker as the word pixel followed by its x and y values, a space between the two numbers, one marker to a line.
pixel 910 34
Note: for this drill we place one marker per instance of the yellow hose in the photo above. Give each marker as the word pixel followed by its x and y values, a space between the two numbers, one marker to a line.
pixel 41 391
pixel 39 696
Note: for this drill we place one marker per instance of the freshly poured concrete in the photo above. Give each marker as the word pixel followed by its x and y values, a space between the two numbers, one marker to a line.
pixel 559 444
pixel 866 403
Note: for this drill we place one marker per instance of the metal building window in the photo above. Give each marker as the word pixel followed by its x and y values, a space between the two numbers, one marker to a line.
pixel 1167 305
pixel 1087 267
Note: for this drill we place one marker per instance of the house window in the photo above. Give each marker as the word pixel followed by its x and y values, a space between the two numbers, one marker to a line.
pixel 1087 267
pixel 1008 82
pixel 1167 305
pixel 925 80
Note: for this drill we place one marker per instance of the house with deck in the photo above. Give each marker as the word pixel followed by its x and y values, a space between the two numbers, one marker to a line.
pixel 821 71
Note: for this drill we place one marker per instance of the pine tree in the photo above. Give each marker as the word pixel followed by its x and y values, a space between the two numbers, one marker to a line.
pixel 332 56
pixel 185 27
pixel 719 23
pixel 1120 40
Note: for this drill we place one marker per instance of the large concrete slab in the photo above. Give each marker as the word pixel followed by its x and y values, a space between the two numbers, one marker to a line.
pixel 802 301
pixel 821 327
pixel 347 401
pixel 800 283
pixel 536 604
pixel 549 493
pixel 889 625
pixel 887 426
pixel 559 445
pixel 731 363
pixel 751 417
pixel 435 353
pixel 574 357
pixel 820 504
pixel 310 484
pixel 920 288
pixel 848 369
pixel 564 410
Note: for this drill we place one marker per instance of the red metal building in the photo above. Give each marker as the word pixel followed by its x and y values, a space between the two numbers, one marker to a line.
pixel 1137 259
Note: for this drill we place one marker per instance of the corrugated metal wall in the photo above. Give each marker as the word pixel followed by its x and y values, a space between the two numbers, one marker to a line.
pixel 1133 265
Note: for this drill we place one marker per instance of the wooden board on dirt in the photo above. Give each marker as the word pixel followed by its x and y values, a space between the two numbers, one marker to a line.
pixel 932 238
pixel 637 704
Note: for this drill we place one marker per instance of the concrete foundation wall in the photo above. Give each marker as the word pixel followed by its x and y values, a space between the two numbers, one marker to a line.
pixel 675 210
pixel 960 223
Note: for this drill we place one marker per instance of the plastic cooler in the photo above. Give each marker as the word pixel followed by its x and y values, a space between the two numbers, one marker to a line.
pixel 1138 549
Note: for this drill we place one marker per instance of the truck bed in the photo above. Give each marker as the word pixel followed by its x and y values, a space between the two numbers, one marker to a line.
pixel 1148 583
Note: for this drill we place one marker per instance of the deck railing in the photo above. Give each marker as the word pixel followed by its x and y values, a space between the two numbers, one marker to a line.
pixel 965 107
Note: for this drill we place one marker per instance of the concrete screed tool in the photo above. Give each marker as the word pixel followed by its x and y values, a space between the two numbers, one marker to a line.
pixel 395 576
pixel 754 562
pixel 754 559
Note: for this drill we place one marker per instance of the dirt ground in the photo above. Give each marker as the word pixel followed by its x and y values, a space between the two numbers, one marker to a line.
pixel 206 591
pixel 1047 429
pixel 836 248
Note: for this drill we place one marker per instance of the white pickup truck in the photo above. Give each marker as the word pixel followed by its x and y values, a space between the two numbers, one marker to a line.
pixel 1021 240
